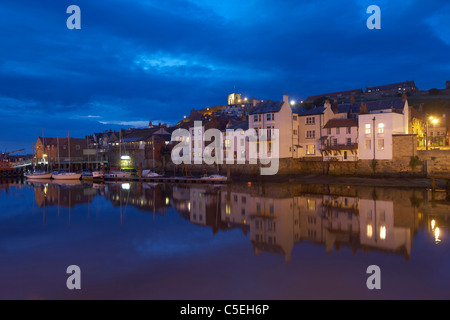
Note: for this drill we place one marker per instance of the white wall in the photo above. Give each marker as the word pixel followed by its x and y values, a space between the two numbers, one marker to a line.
pixel 393 124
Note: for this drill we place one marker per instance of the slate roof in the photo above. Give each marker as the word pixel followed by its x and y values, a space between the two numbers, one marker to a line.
pixel 304 112
pixel 341 123
pixel 267 107
pixel 243 125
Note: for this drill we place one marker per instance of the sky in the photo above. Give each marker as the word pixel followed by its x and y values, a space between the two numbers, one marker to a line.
pixel 135 61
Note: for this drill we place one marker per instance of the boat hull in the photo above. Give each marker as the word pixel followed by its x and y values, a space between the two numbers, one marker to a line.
pixel 66 176
pixel 39 176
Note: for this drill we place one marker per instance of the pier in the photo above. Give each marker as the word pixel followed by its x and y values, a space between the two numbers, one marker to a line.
pixel 8 173
pixel 179 180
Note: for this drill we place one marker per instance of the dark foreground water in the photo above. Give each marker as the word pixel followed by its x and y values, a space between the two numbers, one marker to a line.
pixel 271 241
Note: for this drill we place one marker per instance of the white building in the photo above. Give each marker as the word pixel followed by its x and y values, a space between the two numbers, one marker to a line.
pixel 307 130
pixel 376 132
pixel 340 140
pixel 276 117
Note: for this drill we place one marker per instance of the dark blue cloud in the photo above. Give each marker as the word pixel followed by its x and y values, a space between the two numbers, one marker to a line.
pixel 135 61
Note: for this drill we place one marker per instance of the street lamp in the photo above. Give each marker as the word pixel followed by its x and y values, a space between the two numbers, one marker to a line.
pixel 433 121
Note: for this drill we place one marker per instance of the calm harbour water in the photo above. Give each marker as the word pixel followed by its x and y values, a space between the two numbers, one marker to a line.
pixel 268 242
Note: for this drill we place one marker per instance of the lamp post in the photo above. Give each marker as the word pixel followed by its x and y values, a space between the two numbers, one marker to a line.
pixel 434 121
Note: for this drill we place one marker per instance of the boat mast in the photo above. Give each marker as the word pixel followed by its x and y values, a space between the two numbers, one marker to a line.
pixel 59 161
pixel 68 143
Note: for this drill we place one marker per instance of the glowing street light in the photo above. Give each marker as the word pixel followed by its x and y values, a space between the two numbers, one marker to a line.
pixel 293 102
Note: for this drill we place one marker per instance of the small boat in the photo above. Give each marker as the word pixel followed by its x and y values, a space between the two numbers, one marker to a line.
pixel 66 176
pixel 149 174
pixel 39 175
pixel 118 174
pixel 95 176
pixel 215 177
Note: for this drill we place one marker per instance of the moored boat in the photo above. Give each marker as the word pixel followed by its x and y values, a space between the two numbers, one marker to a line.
pixel 66 176
pixel 39 176
pixel 150 174
pixel 118 174
pixel 215 177
pixel 95 176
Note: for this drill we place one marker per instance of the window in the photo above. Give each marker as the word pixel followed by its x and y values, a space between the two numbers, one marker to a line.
pixel 368 144
pixel 381 128
pixel 349 130
pixel 310 120
pixel 295 132
pixel 78 147
pixel 227 144
pixel 311 149
pixel 334 142
pixel 269 117
pixel 338 130
pixel 255 118
pixel 329 131
pixel 310 134
pixel 380 144
pixel 345 155
pixel 295 118
pixel 368 128
pixel 259 118
pixel 311 204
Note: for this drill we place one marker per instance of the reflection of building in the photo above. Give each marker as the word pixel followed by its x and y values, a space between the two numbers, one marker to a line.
pixel 204 208
pixel 143 196
pixel 276 222
pixel 378 229
pixel 269 232
pixel 68 196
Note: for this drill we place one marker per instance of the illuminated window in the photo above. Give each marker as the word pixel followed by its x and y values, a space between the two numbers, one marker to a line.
pixel 369 231
pixel 311 204
pixel 381 128
pixel 383 233
pixel 311 149
pixel 368 128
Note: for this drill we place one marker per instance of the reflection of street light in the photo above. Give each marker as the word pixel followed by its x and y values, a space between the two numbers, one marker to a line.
pixel 437 234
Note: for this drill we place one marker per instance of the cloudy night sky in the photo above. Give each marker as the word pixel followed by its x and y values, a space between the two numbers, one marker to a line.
pixel 136 61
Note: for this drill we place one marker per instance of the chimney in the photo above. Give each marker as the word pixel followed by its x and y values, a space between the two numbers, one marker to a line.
pixel 327 104
pixel 336 106
pixel 286 97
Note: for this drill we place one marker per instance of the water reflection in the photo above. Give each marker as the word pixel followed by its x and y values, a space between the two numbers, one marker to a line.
pixel 277 217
